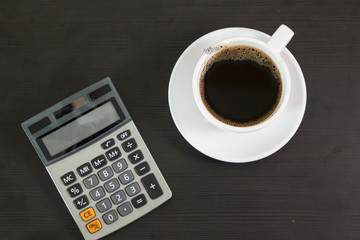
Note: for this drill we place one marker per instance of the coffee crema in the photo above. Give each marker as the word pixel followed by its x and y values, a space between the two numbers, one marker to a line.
pixel 240 85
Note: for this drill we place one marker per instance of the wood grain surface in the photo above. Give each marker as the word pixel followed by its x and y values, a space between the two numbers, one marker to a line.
pixel 310 189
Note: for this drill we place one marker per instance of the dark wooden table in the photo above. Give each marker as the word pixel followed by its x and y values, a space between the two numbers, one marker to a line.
pixel 310 189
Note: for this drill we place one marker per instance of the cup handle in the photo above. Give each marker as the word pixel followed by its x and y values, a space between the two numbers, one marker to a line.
pixel 280 38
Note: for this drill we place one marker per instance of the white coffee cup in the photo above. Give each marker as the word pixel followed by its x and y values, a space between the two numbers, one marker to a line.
pixel 273 47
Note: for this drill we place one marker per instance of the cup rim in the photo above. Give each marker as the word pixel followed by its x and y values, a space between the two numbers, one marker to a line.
pixel 275 56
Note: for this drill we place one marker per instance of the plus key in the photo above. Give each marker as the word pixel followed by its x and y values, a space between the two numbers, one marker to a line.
pixel 152 186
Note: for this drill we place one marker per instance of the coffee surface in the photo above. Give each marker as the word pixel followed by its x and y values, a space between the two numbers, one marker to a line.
pixel 240 85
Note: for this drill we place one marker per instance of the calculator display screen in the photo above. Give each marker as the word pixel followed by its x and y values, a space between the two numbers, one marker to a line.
pixel 80 129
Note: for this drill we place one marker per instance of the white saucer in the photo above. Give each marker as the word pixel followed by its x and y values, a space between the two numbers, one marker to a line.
pixel 228 146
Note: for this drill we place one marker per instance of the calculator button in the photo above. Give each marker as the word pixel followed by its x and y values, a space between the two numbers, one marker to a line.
pixel 84 169
pixel 87 214
pixel 68 178
pixel 108 143
pixel 99 162
pixel 132 189
pixel 97 193
pixel 124 135
pixel 91 181
pixel 118 197
pixel 125 209
pixel 103 205
pixel 112 185
pixel 106 173
pixel 110 217
pixel 126 177
pixel 94 226
pixel 113 153
pixel 142 168
pixel 152 186
pixel 81 202
pixel 136 156
pixel 75 190
pixel 139 201
pixel 120 166
pixel 129 145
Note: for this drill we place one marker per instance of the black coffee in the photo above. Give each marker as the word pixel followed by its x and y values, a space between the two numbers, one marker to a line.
pixel 240 85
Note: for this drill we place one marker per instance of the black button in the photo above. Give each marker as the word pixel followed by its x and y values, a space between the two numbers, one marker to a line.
pixel 142 168
pixel 68 178
pixel 124 135
pixel 99 162
pixel 81 202
pixel 108 143
pixel 113 153
pixel 152 186
pixel 139 201
pixel 136 156
pixel 129 145
pixel 84 169
pixel 75 190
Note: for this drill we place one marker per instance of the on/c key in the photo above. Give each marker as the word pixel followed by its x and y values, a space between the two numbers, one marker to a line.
pixel 94 226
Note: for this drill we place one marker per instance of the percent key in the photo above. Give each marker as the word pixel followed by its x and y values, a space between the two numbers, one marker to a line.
pixel 75 190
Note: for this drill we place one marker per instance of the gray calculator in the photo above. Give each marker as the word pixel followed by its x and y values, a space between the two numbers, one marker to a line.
pixel 97 159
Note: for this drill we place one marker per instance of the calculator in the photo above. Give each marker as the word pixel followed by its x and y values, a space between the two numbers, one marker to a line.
pixel 97 160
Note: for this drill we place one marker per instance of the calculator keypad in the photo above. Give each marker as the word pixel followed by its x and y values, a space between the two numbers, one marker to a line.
pixel 113 193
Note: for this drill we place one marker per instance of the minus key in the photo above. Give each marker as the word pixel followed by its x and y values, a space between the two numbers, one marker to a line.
pixel 142 168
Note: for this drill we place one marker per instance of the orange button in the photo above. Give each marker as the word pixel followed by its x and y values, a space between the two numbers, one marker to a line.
pixel 94 226
pixel 87 214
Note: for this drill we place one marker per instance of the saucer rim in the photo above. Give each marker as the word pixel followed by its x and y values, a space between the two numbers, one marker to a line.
pixel 271 150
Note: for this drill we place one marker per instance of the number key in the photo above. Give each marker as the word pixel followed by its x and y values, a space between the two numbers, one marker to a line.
pixel 126 177
pixel 112 185
pixel 103 205
pixel 91 181
pixel 118 197
pixel 97 193
pixel 120 166
pixel 105 173
pixel 132 189
pixel 110 217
